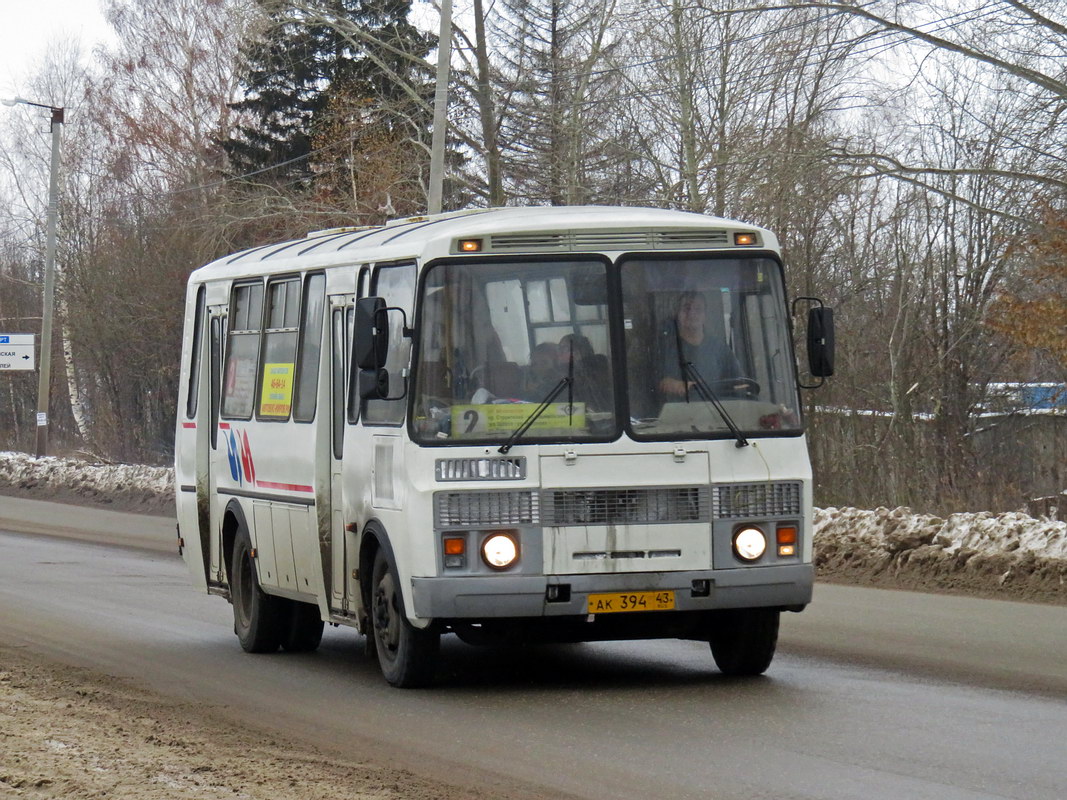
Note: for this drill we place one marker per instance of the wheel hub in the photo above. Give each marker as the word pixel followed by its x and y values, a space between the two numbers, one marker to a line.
pixel 386 615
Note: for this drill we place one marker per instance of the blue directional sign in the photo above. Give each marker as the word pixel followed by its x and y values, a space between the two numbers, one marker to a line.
pixel 16 352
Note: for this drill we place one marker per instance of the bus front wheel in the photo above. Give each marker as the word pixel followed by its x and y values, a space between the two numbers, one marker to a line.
pixel 257 616
pixel 407 655
pixel 743 640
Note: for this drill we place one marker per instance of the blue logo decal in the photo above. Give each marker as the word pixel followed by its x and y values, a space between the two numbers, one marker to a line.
pixel 234 457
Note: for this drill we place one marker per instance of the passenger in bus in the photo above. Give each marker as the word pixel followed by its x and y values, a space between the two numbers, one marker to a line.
pixel 592 371
pixel 685 339
pixel 543 372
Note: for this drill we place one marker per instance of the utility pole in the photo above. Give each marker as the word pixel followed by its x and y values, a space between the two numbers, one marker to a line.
pixel 45 377
pixel 440 111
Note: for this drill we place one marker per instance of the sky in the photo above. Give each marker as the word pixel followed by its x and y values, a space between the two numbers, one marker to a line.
pixel 29 26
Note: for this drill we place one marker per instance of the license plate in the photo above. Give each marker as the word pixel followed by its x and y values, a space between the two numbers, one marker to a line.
pixel 617 602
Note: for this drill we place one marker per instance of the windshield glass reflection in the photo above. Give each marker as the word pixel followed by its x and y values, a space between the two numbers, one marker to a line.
pixel 705 329
pixel 497 338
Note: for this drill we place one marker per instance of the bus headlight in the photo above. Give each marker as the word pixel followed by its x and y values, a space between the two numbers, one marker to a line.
pixel 749 544
pixel 500 550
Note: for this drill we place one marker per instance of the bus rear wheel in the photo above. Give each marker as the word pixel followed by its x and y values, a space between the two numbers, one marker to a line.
pixel 743 641
pixel 407 655
pixel 257 616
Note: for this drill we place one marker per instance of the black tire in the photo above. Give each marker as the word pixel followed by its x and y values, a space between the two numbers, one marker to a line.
pixel 407 655
pixel 743 641
pixel 257 616
pixel 302 630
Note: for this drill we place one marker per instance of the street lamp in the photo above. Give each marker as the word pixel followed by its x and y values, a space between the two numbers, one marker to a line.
pixel 49 273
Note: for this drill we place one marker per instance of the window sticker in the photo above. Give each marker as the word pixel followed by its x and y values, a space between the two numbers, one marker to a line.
pixel 276 397
pixel 503 418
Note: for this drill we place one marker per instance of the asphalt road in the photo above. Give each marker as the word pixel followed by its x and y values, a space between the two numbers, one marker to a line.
pixel 874 694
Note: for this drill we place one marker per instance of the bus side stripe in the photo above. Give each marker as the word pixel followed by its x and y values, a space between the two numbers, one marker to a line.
pixel 288 487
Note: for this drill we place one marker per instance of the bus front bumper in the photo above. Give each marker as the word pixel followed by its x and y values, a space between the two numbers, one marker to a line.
pixel 485 597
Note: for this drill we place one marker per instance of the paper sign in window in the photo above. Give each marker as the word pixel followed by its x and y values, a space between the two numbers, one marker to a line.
pixel 497 418
pixel 276 396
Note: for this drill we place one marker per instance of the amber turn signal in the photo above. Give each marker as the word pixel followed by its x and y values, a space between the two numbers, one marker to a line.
pixel 786 536
pixel 455 546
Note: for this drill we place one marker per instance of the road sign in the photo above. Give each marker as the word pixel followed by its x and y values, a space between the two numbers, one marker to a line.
pixel 16 352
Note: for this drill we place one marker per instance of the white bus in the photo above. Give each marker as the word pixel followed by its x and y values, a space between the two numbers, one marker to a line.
pixel 513 424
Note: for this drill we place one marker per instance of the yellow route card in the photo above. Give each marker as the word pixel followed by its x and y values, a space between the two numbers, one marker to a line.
pixel 276 397
pixel 497 418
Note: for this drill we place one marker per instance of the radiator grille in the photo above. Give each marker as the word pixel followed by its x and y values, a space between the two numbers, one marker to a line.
pixel 478 509
pixel 756 500
pixel 563 507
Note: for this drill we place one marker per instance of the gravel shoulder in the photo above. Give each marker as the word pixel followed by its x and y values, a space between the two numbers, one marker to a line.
pixel 67 732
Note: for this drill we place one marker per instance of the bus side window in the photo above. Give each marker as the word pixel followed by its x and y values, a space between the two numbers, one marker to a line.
pixel 194 359
pixel 310 346
pixel 396 284
pixel 278 368
pixel 242 351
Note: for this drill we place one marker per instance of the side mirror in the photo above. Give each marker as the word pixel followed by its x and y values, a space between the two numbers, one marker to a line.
pixel 371 345
pixel 821 341
pixel 374 384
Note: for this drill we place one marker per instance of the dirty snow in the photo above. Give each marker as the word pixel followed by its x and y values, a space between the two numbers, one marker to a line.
pixel 895 530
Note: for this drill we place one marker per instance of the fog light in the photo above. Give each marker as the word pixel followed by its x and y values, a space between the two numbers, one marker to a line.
pixel 787 550
pixel 500 550
pixel 749 544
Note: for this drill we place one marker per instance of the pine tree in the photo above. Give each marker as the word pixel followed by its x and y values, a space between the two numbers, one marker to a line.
pixel 333 94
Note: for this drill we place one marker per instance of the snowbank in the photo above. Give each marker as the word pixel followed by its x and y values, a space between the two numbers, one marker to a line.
pixel 1011 555
pixel 128 486
pixel 894 531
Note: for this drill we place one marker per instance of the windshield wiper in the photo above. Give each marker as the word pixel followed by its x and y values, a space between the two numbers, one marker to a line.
pixel 705 391
pixel 520 431
pixel 568 381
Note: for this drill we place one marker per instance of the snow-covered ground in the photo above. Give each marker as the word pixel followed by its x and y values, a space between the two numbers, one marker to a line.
pixel 899 529
pixel 127 485
pixel 977 551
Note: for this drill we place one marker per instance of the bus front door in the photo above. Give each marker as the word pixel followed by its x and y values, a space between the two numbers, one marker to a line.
pixel 341 321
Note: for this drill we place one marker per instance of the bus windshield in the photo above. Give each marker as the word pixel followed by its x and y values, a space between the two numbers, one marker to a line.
pixel 707 335
pixel 704 335
pixel 498 338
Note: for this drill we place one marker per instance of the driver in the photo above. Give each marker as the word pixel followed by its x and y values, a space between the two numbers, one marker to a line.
pixel 686 340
